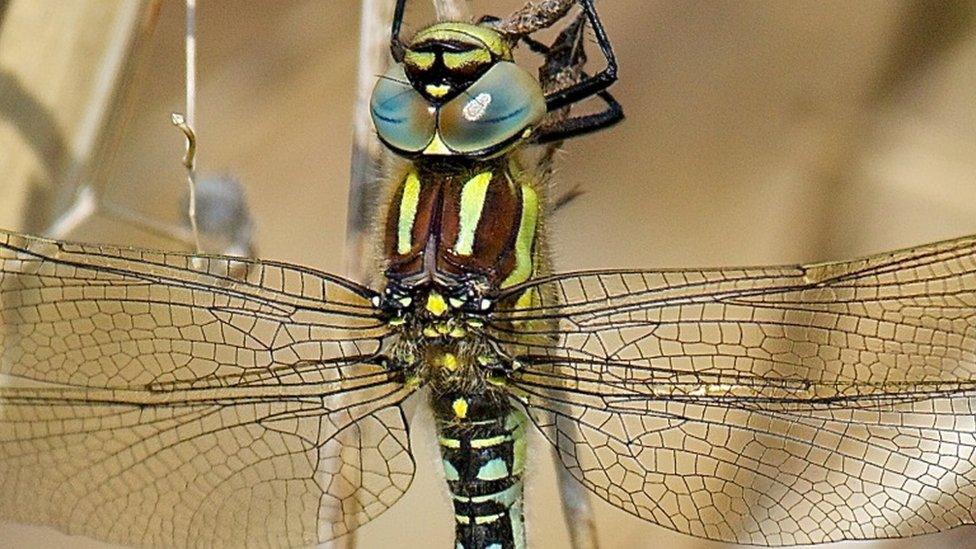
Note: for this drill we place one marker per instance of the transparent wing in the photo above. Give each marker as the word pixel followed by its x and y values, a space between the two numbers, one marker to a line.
pixel 768 406
pixel 148 399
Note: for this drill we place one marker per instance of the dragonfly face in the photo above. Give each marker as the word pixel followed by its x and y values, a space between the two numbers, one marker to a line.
pixel 457 93
pixel 151 399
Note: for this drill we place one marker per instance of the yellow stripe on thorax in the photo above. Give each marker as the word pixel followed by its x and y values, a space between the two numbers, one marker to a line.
pixel 472 205
pixel 455 61
pixel 408 213
pixel 525 239
pixel 419 59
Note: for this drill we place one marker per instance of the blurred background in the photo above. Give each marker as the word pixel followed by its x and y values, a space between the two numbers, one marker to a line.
pixel 757 132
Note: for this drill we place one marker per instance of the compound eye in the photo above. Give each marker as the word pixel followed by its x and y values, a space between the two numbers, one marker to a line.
pixel 402 117
pixel 498 106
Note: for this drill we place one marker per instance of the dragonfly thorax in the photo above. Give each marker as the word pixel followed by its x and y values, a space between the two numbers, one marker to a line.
pixel 442 342
pixel 467 233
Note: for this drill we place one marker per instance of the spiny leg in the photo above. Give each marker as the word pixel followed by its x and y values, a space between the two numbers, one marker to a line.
pixel 537 16
pixel 570 83
pixel 564 63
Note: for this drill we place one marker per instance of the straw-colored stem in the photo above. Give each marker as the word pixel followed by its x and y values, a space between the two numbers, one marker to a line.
pixel 367 152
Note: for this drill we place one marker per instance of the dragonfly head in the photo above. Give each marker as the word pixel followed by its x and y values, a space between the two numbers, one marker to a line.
pixel 457 92
pixel 443 60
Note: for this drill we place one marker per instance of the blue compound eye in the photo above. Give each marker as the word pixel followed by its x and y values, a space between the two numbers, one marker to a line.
pixel 497 107
pixel 403 119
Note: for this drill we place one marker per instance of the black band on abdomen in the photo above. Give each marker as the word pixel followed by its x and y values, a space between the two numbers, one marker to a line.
pixel 483 454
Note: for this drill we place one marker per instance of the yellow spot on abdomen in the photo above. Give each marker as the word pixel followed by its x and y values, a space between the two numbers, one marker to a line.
pixel 460 407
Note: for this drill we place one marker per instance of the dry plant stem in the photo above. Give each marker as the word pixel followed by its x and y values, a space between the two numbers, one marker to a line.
pixel 577 509
pixel 188 124
pixel 367 151
pixel 191 63
pixel 563 68
pixel 366 165
pixel 191 175
pixel 82 166
pixel 535 16
pixel 123 107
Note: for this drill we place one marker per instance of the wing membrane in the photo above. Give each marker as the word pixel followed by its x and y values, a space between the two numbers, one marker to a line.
pixel 99 316
pixel 148 398
pixel 770 405
pixel 233 473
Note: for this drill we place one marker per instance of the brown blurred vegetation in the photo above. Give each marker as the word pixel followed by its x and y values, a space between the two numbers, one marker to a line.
pixel 758 132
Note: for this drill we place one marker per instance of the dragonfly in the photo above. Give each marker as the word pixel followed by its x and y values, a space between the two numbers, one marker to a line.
pixel 152 399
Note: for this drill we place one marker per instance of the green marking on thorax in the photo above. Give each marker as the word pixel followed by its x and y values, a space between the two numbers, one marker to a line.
pixel 421 60
pixel 472 205
pixel 408 213
pixel 525 238
pixel 461 59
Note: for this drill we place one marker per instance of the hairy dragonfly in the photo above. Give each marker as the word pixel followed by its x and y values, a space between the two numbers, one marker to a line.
pixel 148 398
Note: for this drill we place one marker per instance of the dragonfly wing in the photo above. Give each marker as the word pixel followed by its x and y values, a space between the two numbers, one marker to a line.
pixel 99 316
pixel 232 472
pixel 768 406
pixel 147 398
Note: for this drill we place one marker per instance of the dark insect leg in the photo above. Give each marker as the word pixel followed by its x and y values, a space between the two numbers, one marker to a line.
pixel 578 125
pixel 396 45
pixel 591 85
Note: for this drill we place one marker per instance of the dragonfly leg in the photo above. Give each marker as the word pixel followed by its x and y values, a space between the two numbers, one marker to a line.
pixel 590 85
pixel 578 125
pixel 573 126
pixel 396 45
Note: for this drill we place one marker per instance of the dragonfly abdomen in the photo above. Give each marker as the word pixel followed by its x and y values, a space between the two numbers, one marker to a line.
pixel 482 444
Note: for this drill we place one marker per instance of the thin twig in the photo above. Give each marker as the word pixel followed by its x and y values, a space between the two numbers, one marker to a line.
pixel 367 152
pixel 186 122
pixel 191 63
pixel 534 16
pixel 191 175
